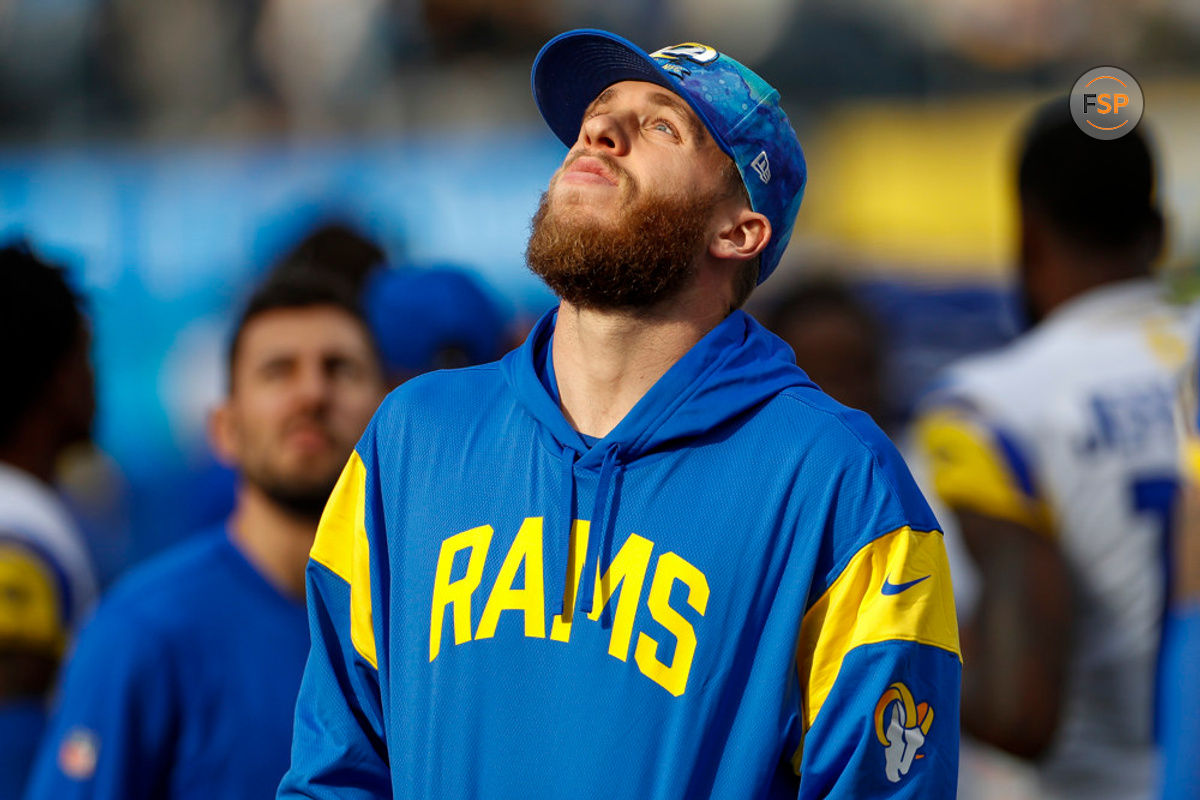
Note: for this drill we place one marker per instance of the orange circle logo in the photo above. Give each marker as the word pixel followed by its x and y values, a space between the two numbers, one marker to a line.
pixel 1106 102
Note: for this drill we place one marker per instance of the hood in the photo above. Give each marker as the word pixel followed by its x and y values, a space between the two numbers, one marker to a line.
pixel 734 368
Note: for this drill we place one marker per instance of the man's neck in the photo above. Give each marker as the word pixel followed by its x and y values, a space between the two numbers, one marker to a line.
pixel 33 448
pixel 1081 276
pixel 604 362
pixel 275 541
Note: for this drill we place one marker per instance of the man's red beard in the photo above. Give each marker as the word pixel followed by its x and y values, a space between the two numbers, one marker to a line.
pixel 645 258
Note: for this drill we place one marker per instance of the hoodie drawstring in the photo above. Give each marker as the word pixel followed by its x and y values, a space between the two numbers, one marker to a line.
pixel 600 536
pixel 558 555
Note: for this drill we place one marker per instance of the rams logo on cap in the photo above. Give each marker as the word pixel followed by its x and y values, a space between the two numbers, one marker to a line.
pixel 668 57
pixel 901 726
pixel 693 51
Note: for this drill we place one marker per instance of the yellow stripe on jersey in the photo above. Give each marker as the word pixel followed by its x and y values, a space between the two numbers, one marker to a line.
pixel 1164 342
pixel 30 605
pixel 896 588
pixel 971 474
pixel 341 545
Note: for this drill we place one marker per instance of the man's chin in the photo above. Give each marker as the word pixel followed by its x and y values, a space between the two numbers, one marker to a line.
pixel 633 258
pixel 300 491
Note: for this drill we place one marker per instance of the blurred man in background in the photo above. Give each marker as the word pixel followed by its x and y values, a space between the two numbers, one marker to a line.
pixel 184 683
pixel 46 579
pixel 1057 454
pixel 836 340
pixel 333 247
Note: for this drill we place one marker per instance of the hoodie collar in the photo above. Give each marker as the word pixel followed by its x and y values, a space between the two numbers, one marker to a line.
pixel 733 368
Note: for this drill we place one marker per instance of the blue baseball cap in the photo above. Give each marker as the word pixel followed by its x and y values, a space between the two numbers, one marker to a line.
pixel 740 110
pixel 418 313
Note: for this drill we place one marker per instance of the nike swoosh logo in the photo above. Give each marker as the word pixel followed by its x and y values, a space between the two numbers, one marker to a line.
pixel 897 588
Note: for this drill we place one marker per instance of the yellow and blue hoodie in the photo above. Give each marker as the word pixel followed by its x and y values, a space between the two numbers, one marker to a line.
pixel 739 592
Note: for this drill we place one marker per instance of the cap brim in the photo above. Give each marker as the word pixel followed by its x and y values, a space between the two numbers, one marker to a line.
pixel 573 68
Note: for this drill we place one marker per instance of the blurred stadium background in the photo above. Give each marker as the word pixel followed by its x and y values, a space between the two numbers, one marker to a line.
pixel 171 150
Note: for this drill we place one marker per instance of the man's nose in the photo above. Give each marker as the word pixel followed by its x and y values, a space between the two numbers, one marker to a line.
pixel 605 132
pixel 313 386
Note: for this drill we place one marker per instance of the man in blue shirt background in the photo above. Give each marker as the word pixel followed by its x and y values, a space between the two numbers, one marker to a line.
pixel 183 685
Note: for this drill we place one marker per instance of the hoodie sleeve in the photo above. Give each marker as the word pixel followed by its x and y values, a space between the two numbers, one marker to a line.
pixel 878 653
pixel 880 669
pixel 338 747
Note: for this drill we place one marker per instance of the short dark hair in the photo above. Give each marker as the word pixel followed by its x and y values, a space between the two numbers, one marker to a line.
pixel 41 321
pixel 746 278
pixel 1098 194
pixel 294 288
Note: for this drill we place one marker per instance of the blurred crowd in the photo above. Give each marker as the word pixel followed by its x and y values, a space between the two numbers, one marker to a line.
pixel 189 69
pixel 124 70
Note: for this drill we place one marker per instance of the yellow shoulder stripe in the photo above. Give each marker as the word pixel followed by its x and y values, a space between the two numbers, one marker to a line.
pixel 970 475
pixel 30 605
pixel 897 587
pixel 341 545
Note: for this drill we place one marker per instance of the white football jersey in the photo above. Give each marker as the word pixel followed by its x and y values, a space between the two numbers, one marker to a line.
pixel 1069 430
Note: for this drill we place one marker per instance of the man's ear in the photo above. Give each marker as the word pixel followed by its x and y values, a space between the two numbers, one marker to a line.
pixel 223 434
pixel 741 236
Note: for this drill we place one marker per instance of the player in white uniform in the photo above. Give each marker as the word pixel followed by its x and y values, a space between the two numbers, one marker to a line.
pixel 46 578
pixel 1058 457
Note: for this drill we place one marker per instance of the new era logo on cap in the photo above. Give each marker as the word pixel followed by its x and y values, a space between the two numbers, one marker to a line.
pixel 762 165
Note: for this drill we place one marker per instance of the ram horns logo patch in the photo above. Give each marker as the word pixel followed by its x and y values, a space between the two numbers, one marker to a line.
pixel 901 725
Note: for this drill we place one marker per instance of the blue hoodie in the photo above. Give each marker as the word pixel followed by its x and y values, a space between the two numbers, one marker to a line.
pixel 738 592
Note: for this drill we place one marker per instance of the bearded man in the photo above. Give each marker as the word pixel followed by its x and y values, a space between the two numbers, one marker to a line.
pixel 642 556
pixel 184 683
